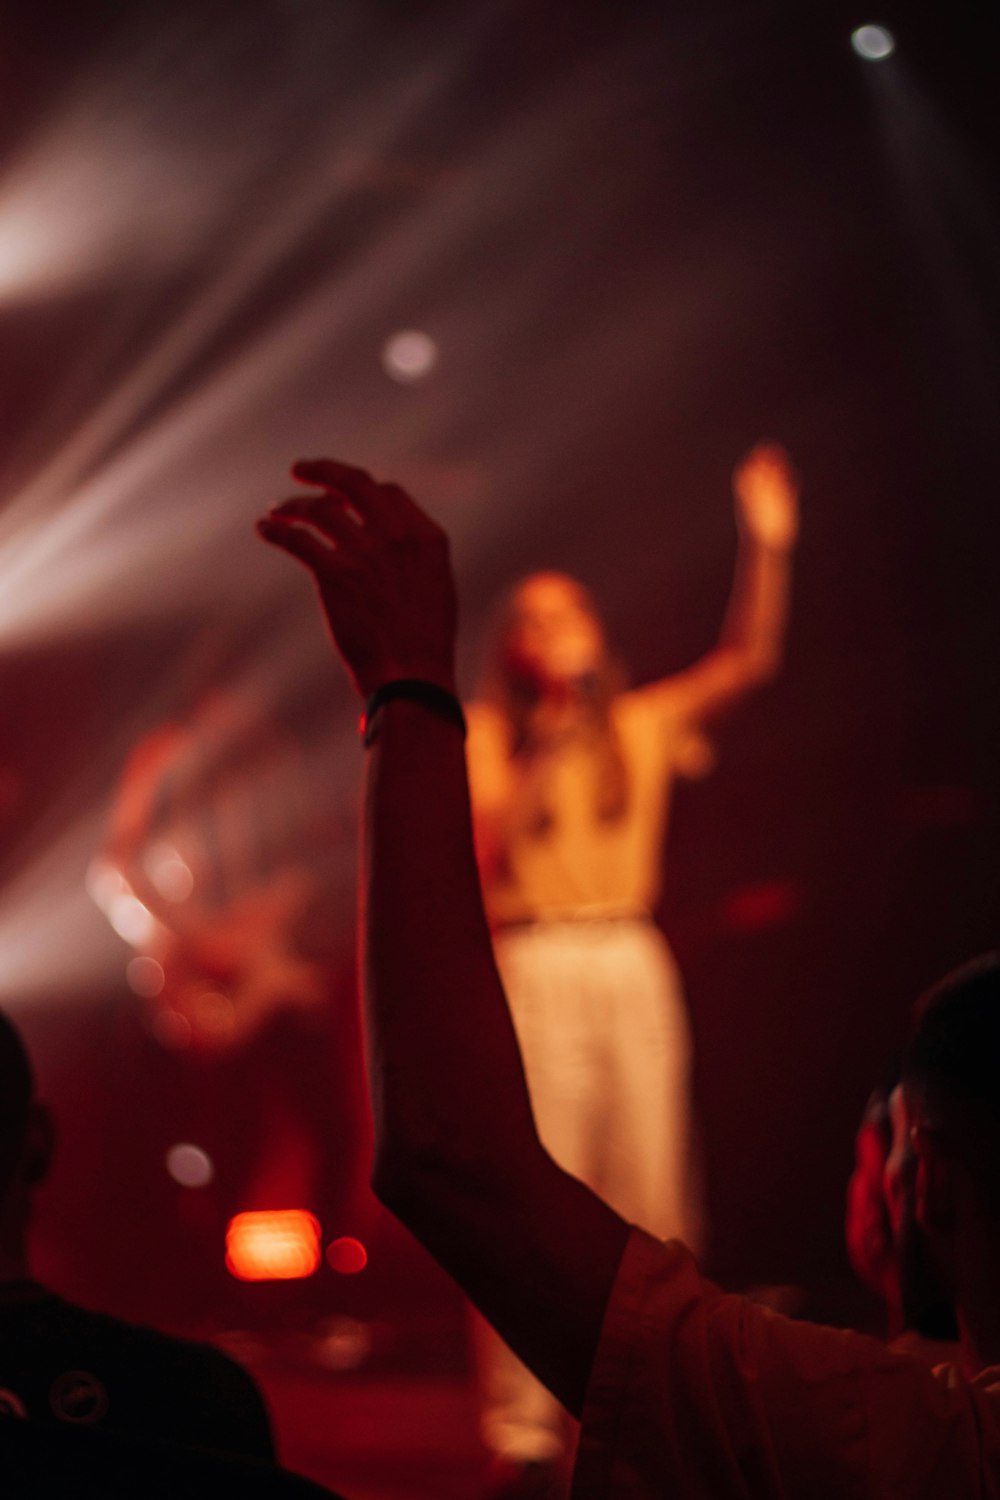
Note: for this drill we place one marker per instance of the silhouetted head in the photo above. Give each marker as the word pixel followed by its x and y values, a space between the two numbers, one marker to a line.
pixel 16 1093
pixel 867 1230
pixel 943 1172
pixel 25 1126
pixel 549 646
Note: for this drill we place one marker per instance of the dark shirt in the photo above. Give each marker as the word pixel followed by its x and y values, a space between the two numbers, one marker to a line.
pixel 56 1462
pixel 60 1363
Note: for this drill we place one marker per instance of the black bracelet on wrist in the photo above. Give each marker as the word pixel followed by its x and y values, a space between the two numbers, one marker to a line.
pixel 437 699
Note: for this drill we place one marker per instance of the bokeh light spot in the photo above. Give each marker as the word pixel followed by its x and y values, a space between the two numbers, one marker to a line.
pixel 873 43
pixel 409 355
pixel 190 1165
pixel 145 976
pixel 343 1344
pixel 168 872
pixel 347 1256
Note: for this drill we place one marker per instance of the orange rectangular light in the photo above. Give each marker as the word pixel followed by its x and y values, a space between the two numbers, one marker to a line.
pixel 273 1245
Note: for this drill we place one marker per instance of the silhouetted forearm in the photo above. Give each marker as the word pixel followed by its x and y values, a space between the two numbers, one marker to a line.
pixel 457 1154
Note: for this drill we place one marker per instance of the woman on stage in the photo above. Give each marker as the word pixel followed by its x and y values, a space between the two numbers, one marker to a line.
pixel 571 780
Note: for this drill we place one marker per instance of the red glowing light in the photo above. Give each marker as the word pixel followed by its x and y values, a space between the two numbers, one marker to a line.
pixel 273 1245
pixel 347 1256
pixel 757 908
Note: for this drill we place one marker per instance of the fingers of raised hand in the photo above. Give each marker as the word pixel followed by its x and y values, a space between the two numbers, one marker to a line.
pixel 323 541
pixel 386 508
pixel 298 541
pixel 333 517
pixel 767 467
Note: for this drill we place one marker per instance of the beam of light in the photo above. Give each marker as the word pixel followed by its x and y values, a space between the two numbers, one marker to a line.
pixel 126 447
pixel 156 119
pixel 873 43
pixel 53 940
pixel 947 209
pixel 145 495
pixel 140 506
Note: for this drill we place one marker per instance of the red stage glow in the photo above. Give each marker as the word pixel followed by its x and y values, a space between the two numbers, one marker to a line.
pixel 273 1245
pixel 758 908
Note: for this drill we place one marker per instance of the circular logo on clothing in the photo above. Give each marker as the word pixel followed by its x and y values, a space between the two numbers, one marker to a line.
pixel 11 1404
pixel 77 1396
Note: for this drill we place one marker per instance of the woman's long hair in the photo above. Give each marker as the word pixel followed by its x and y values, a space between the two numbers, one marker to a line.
pixel 515 694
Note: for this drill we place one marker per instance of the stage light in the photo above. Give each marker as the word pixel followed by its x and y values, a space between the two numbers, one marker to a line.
pixel 189 1165
pixel 409 355
pixel 273 1245
pixel 104 884
pixel 53 940
pixel 346 1256
pixel 762 907
pixel 145 976
pixel 112 894
pixel 131 920
pixel 873 43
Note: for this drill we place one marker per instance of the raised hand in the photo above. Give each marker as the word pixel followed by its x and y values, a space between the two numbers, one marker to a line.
pixel 766 489
pixel 382 570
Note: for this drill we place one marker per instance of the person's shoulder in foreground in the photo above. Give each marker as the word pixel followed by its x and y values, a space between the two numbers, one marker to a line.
pixel 697 1393
pixel 62 1362
pixel 50 1463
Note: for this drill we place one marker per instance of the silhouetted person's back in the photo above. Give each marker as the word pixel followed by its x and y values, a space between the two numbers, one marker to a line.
pixel 60 1363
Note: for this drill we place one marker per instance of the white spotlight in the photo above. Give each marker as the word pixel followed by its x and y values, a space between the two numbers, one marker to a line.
pixel 873 43
pixel 131 920
pixel 409 355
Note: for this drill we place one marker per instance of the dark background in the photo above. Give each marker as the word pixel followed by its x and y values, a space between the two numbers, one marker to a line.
pixel 641 237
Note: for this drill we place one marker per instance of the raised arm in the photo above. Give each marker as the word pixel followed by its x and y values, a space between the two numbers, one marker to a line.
pixel 753 634
pixel 457 1155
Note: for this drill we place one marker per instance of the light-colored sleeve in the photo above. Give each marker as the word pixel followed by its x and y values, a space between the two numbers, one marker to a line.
pixel 699 1395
